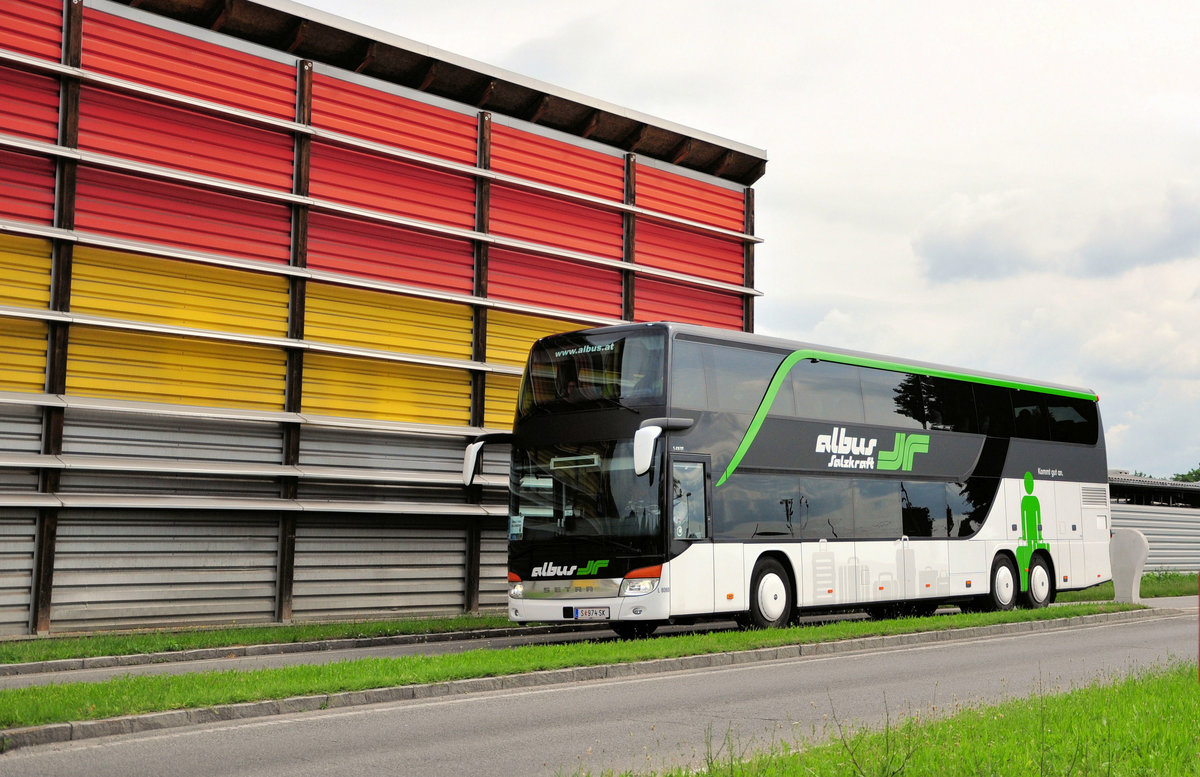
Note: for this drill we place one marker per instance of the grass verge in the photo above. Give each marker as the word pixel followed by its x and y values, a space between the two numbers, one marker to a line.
pixel 1154 585
pixel 150 693
pixel 1139 725
pixel 54 648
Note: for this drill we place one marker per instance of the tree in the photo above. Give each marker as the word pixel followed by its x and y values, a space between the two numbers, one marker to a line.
pixel 1188 477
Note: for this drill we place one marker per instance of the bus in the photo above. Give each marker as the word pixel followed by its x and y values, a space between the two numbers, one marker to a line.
pixel 666 473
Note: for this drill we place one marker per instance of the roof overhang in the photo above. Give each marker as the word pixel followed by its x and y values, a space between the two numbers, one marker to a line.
pixel 322 37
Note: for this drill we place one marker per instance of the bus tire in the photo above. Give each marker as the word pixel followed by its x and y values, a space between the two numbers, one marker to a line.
pixel 1041 584
pixel 1005 584
pixel 770 595
pixel 633 629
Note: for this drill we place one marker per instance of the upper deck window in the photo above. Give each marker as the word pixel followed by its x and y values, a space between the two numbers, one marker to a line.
pixel 583 371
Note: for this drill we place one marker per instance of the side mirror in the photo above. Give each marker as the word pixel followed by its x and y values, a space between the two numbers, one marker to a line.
pixel 647 434
pixel 643 448
pixel 471 455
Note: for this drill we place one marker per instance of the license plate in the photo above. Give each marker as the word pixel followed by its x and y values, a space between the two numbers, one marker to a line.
pixel 591 613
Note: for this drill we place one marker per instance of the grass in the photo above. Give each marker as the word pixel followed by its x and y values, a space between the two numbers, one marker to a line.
pixel 53 648
pixel 137 694
pixel 1143 724
pixel 24 650
pixel 1154 585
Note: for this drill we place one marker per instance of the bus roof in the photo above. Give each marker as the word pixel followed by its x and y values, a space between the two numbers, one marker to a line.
pixel 859 358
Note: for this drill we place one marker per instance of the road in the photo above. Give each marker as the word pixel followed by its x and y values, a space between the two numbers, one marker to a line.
pixel 643 723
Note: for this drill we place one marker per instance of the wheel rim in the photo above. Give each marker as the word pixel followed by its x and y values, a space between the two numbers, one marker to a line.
pixel 772 596
pixel 1039 583
pixel 1002 587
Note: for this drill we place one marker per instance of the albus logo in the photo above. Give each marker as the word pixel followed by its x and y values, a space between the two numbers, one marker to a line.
pixel 554 570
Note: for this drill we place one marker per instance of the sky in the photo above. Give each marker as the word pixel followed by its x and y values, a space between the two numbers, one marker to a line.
pixel 1007 186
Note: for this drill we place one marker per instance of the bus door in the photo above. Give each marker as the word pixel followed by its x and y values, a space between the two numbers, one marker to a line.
pixel 692 582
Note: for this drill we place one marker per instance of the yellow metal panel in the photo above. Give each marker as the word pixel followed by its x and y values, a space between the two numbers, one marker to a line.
pixel 501 401
pixel 161 368
pixel 22 355
pixel 366 388
pixel 390 322
pixel 25 270
pixel 165 291
pixel 509 335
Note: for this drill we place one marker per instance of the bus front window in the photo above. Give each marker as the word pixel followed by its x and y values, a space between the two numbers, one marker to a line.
pixel 588 489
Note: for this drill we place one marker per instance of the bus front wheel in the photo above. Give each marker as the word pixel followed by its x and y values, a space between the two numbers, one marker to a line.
pixel 1003 595
pixel 770 595
pixel 633 629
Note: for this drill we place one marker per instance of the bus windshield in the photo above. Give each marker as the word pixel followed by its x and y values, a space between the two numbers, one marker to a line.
pixel 582 490
pixel 580 371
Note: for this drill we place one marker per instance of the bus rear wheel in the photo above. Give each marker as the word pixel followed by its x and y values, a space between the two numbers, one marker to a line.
pixel 1041 585
pixel 1003 595
pixel 770 595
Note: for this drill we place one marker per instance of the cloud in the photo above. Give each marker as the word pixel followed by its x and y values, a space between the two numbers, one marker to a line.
pixel 1160 232
pixel 976 237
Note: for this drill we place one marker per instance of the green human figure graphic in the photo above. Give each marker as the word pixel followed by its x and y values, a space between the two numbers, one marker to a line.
pixel 1031 531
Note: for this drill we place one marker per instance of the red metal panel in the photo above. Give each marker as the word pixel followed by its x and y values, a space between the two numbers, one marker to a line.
pixel 554 283
pixel 688 198
pixel 171 214
pixel 706 256
pixel 383 117
pixel 557 163
pixel 191 67
pixel 656 300
pixel 385 252
pixel 28 104
pixel 33 27
pixel 135 128
pixel 554 222
pixel 26 187
pixel 390 185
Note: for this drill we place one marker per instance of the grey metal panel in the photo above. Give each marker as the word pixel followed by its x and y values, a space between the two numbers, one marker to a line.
pixel 20 432
pixel 354 567
pixel 18 535
pixel 368 491
pixel 493 569
pixel 330 447
pixel 125 569
pixel 97 433
pixel 18 479
pixel 1173 533
pixel 120 481
pixel 20 429
pixel 496 460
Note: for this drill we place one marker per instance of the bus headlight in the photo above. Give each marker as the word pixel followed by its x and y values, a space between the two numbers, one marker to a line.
pixel 638 586
pixel 642 581
pixel 516 588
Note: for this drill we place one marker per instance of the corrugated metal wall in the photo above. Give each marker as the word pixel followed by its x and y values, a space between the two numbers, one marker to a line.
pixel 113 569
pixel 253 303
pixel 17 535
pixel 1173 534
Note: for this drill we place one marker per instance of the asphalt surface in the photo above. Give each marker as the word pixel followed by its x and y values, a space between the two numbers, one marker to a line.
pixel 639 716
pixel 340 650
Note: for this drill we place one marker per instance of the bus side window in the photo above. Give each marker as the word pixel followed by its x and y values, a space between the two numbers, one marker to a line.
pixel 994 405
pixel 688 503
pixel 827 391
pixel 1030 417
pixel 689 387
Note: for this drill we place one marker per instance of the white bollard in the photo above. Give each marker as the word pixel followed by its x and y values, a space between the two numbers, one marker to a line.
pixel 1128 551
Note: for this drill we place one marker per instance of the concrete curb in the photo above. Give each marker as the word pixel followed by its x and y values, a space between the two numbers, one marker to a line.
pixel 242 651
pixel 154 721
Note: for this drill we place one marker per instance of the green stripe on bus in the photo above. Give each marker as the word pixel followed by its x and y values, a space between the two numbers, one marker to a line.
pixel 781 373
